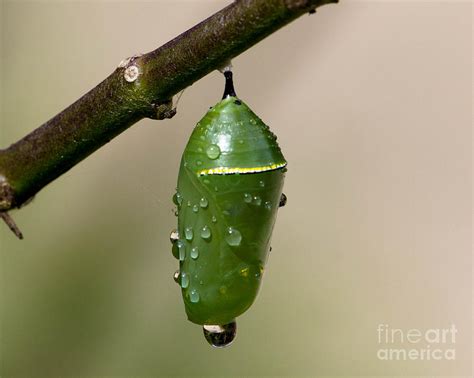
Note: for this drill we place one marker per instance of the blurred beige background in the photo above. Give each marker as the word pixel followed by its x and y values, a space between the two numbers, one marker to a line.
pixel 371 101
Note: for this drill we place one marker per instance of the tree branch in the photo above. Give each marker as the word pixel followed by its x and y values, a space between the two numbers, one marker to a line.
pixel 142 86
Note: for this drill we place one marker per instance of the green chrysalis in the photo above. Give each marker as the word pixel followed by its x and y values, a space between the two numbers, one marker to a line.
pixel 229 190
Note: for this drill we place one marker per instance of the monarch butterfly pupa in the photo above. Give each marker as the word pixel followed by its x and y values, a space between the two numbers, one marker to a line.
pixel 229 191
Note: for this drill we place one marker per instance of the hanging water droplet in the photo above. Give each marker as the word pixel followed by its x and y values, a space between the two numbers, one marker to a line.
pixel 283 200
pixel 205 232
pixel 247 197
pixel 188 233
pixel 194 296
pixel 176 276
pixel 174 236
pixel 195 208
pixel 194 253
pixel 213 151
pixel 268 205
pixel 203 202
pixel 175 251
pixel 181 249
pixel 233 237
pixel 257 200
pixel 184 280
pixel 175 198
pixel 214 219
pixel 220 336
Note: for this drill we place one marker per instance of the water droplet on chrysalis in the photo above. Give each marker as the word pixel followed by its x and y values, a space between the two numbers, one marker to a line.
pixel 181 249
pixel 213 151
pixel 188 233
pixel 203 202
pixel 233 237
pixel 268 205
pixel 205 232
pixel 220 336
pixel 247 197
pixel 194 296
pixel 258 275
pixel 195 208
pixel 184 280
pixel 177 199
pixel 262 184
pixel 214 219
pixel 257 200
pixel 194 253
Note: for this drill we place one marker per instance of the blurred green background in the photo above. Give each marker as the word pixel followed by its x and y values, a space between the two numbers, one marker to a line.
pixel 371 101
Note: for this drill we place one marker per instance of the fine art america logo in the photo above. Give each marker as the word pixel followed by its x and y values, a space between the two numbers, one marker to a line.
pixel 413 344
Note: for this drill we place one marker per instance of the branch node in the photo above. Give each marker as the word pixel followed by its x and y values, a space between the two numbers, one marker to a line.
pixel 131 73
pixel 163 110
pixel 126 62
